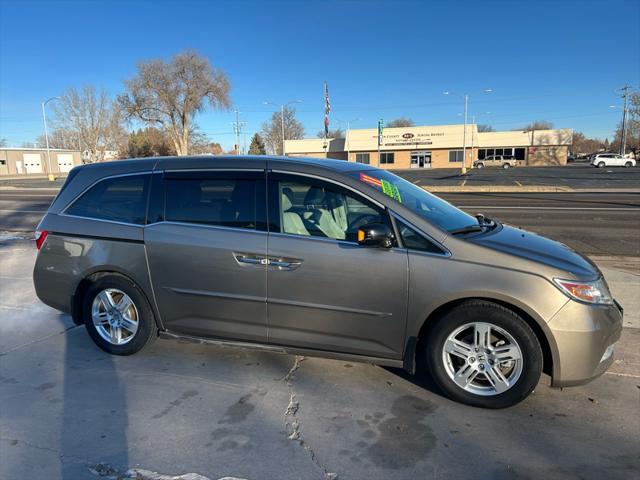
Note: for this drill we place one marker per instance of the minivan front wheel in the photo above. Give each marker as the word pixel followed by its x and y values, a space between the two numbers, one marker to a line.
pixel 484 354
pixel 118 316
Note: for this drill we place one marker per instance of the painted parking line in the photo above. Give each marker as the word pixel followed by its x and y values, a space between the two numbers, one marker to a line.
pixel 494 207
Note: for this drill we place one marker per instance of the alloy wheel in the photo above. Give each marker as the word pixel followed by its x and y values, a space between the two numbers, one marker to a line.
pixel 115 316
pixel 482 358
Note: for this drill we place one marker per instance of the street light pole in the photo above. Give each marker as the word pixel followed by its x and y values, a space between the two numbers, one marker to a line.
pixel 46 138
pixel 282 118
pixel 282 123
pixel 346 140
pixel 463 169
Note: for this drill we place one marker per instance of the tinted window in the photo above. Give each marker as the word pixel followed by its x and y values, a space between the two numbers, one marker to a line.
pixel 226 202
pixel 519 153
pixel 455 155
pixel 412 240
pixel 120 199
pixel 362 158
pixel 319 209
pixel 387 158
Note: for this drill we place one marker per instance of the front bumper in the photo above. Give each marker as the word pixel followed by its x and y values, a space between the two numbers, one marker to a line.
pixel 582 334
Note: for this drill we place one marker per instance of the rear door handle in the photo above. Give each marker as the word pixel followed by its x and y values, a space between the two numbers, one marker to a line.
pixel 284 264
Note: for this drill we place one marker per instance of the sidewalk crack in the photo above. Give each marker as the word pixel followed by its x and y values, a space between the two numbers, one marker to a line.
pixel 292 423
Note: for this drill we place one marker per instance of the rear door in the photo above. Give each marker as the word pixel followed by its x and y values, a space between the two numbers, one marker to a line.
pixel 206 244
pixel 325 291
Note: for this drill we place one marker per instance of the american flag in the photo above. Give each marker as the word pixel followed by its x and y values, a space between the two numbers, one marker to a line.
pixel 327 109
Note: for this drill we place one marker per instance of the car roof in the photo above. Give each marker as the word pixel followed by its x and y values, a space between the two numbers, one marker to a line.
pixel 256 161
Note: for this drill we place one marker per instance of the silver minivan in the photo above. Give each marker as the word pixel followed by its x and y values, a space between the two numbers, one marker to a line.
pixel 321 257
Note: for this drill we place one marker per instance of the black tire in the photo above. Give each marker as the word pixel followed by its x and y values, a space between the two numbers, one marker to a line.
pixel 628 164
pixel 480 165
pixel 147 330
pixel 601 164
pixel 506 165
pixel 509 321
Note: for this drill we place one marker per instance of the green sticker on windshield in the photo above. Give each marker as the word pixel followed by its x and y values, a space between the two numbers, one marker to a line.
pixel 391 190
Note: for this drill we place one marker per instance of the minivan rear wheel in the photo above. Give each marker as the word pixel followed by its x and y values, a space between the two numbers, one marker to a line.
pixel 118 316
pixel 483 354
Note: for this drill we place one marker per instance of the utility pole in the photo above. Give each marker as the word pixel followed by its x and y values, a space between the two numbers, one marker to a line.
pixel 237 127
pixel 624 93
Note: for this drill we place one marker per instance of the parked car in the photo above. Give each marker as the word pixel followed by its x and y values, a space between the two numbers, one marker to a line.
pixel 602 160
pixel 326 258
pixel 502 161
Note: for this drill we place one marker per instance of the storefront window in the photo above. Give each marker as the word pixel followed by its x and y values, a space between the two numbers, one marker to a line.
pixel 386 158
pixel 519 153
pixel 362 158
pixel 455 155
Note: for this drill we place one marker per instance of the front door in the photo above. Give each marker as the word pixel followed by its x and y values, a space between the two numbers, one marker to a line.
pixel 206 244
pixel 420 159
pixel 325 291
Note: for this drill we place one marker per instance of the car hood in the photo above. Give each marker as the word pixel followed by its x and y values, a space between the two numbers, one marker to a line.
pixel 531 246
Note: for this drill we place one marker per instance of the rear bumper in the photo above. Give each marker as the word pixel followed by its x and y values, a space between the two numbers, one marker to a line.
pixel 584 336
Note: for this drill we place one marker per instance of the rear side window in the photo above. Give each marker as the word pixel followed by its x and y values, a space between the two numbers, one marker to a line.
pixel 118 199
pixel 222 200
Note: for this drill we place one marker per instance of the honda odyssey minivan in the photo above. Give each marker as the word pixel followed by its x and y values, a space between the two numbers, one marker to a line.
pixel 326 258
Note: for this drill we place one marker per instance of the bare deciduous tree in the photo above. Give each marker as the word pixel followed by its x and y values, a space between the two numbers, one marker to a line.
pixel 537 125
pixel 336 133
pixel 3 142
pixel 60 138
pixel 169 94
pixel 482 127
pixel 93 118
pixel 272 130
pixel 400 122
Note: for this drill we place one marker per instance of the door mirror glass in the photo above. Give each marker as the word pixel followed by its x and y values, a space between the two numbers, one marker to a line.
pixel 375 235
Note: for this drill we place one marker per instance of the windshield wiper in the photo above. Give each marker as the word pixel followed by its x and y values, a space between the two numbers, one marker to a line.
pixel 483 222
pixel 469 228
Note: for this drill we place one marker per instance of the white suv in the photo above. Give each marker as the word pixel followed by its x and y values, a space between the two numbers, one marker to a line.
pixel 612 160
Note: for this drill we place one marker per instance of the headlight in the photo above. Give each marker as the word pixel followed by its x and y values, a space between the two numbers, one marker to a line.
pixel 590 292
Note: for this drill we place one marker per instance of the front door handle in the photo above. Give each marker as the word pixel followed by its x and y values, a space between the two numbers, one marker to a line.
pixel 251 259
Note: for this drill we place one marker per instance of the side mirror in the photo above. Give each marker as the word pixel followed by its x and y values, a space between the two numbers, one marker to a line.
pixel 375 235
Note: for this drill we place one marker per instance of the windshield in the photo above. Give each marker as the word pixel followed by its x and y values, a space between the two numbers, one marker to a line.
pixel 428 206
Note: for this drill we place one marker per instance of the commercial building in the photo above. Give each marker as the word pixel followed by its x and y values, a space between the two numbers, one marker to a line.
pixel 25 161
pixel 438 146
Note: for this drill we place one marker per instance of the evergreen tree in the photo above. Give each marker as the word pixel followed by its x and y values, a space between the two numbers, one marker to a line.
pixel 257 146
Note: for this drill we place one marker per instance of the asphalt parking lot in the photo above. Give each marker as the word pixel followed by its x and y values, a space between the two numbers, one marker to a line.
pixel 70 411
pixel 577 176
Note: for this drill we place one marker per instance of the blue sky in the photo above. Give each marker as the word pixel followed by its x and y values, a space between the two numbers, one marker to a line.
pixel 552 60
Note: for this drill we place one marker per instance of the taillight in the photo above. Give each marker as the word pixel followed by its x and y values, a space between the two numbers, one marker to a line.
pixel 41 236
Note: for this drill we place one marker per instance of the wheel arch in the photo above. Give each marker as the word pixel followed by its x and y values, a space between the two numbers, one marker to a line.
pixel 548 348
pixel 91 277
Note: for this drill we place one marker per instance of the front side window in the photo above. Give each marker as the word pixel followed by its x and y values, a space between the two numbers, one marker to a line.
pixel 422 203
pixel 412 240
pixel 118 199
pixel 388 157
pixel 213 199
pixel 313 208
